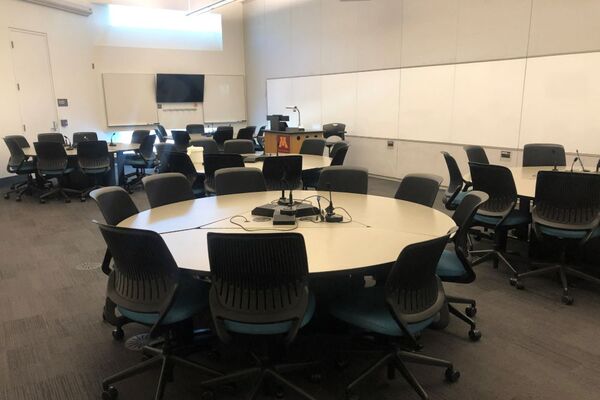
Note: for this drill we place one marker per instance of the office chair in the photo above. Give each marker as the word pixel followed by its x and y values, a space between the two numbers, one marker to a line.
pixel 567 211
pixel 338 153
pixel 313 146
pixel 407 304
pixel 214 162
pixel 19 164
pixel 499 212
pixel 275 304
pixel 84 137
pixel 182 163
pixel 52 162
pixel 222 134
pixel 141 160
pixel 181 140
pixel 94 161
pixel 161 133
pixel 51 137
pixel 239 180
pixel 454 265
pixel 246 133
pixel 208 144
pixel 476 154
pixel 137 137
pixel 334 129
pixel 238 146
pixel 147 287
pixel 544 155
pixel 283 172
pixel 21 140
pixel 419 188
pixel 167 188
pixel 457 187
pixel 195 129
pixel 260 139
pixel 344 179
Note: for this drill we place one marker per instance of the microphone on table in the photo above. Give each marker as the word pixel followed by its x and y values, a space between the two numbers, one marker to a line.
pixel 330 216
pixel 111 139
pixel 573 164
pixel 581 162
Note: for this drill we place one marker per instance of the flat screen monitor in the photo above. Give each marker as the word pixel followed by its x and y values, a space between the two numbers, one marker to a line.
pixel 179 88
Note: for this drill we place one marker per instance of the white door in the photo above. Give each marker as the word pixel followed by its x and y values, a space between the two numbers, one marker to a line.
pixel 33 75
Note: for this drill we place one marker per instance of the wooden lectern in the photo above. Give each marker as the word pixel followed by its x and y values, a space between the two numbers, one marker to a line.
pixel 287 142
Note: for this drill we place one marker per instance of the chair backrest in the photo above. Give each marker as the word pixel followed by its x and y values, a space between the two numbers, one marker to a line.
pixel 93 155
pixel 51 156
pixel 137 137
pixel 456 180
pixel 544 155
pixel 161 133
pixel 177 161
pixel 145 275
pixel 17 156
pixel 258 279
pixel 338 153
pixel 114 203
pixel 167 188
pixel 283 172
pixel 239 180
pixel 222 134
pixel 214 162
pixel 162 152
pixel 313 146
pixel 84 137
pixel 419 188
pixel 208 144
pixel 238 146
pixel 51 137
pixel 195 128
pixel 567 200
pixel 261 131
pixel 334 129
pixel 181 139
pixel 146 149
pixel 20 139
pixel 413 291
pixel 476 154
pixel 344 179
pixel 246 133
pixel 497 181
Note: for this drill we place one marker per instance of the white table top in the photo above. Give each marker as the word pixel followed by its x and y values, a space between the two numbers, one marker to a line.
pixel 30 151
pixel 308 162
pixel 380 229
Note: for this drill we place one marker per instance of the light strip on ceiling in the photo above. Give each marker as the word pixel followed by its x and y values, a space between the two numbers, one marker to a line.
pixel 211 6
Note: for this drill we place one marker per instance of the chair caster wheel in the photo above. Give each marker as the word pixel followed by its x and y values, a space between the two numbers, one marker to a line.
pixel 566 299
pixel 351 395
pixel 42 201
pixel 315 377
pixel 6 196
pixel 474 335
pixel 118 334
pixel 341 364
pixel 18 198
pixel 452 375
pixel 471 311
pixel 82 199
pixel 111 393
pixel 208 395
pixel 67 200
pixel 516 283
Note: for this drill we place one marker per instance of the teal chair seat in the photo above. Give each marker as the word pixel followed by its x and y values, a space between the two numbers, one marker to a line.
pixel 367 309
pixel 515 218
pixel 271 329
pixel 192 297
pixel 566 233
pixel 449 265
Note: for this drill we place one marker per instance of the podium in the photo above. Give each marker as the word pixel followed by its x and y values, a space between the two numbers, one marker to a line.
pixel 288 142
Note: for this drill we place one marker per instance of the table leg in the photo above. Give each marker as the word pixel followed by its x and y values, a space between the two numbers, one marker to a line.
pixel 120 168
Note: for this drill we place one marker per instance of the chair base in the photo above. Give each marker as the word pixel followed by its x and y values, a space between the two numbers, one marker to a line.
pixel 467 317
pixel 21 188
pixel 138 175
pixel 63 192
pixel 494 255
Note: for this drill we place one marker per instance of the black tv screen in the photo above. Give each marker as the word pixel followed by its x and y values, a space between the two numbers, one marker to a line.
pixel 179 88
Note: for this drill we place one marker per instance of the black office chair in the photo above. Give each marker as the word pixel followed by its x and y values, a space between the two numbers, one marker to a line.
pixel 334 129
pixel 195 129
pixel 181 140
pixel 161 133
pixel 167 188
pixel 143 159
pixel 338 153
pixel 457 187
pixel 51 137
pixel 313 146
pixel 283 172
pixel 239 180
pixel 162 153
pixel 238 146
pixel 84 137
pixel 476 154
pixel 214 162
pixel 148 287
pixel 454 265
pixel 21 140
pixel 344 179
pixel 567 211
pixel 52 162
pixel 19 164
pixel 246 133
pixel 94 161
pixel 408 303
pixel 260 139
pixel 419 188
pixel 137 137
pixel 208 144
pixel 499 212
pixel 544 155
pixel 274 305
pixel 222 134
pixel 182 163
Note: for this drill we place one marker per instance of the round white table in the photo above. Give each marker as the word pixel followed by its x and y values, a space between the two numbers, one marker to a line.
pixel 380 228
pixel 308 162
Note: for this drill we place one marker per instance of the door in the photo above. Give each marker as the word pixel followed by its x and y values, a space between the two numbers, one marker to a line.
pixel 33 76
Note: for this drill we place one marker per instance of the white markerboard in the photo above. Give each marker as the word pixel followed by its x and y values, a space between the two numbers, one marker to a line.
pixel 130 99
pixel 224 98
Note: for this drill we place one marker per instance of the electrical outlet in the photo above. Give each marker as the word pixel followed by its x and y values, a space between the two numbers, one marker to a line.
pixel 390 143
pixel 64 123
pixel 505 154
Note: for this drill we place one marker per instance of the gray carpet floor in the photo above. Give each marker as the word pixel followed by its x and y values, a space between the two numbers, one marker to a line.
pixel 54 345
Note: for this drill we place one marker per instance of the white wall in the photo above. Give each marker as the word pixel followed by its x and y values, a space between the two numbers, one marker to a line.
pixel 469 72
pixel 74 49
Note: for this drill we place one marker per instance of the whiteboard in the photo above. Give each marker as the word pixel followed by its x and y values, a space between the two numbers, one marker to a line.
pixel 224 98
pixel 130 99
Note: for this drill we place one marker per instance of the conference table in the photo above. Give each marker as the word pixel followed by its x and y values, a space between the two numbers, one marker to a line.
pixel 376 233
pixel 308 162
